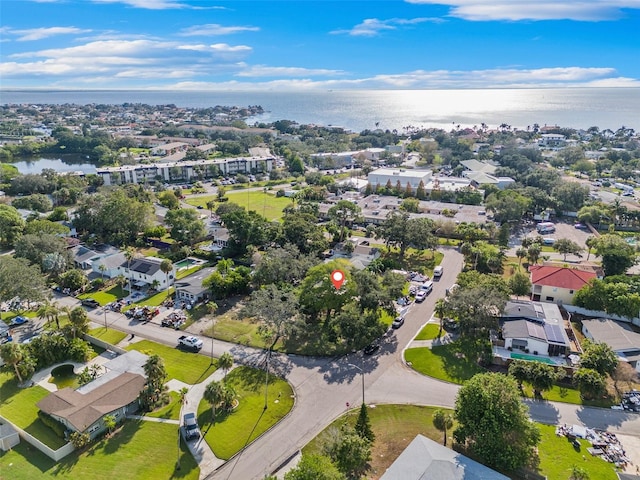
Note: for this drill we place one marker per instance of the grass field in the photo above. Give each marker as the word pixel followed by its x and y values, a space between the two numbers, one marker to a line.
pixel 249 419
pixel 140 451
pixel 104 297
pixel 443 362
pixel 266 204
pixel 395 426
pixel 18 405
pixel 187 367
pixel 429 332
pixel 108 335
pixel 243 332
pixel 172 410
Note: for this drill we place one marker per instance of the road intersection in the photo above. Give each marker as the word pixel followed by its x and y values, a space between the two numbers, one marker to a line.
pixel 324 386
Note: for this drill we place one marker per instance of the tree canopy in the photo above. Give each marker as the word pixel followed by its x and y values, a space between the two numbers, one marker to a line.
pixel 493 422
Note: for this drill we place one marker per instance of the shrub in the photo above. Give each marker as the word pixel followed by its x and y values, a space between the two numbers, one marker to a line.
pixel 52 423
pixel 79 440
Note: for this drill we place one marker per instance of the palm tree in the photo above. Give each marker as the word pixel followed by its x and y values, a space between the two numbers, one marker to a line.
pixel 440 310
pixel 12 354
pixel 47 310
pixel 213 393
pixel 225 362
pixel 166 267
pixel 102 267
pixel 589 242
pixel 443 422
pixel 129 254
pixel 521 253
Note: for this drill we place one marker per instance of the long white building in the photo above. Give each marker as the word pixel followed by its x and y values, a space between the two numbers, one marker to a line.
pixel 185 170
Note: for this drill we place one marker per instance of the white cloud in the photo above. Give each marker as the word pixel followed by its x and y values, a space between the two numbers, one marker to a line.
pixel 40 33
pixel 214 29
pixel 226 48
pixel 147 4
pixel 371 27
pixel 267 71
pixel 514 10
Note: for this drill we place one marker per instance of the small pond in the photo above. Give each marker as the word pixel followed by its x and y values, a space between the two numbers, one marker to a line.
pixel 63 377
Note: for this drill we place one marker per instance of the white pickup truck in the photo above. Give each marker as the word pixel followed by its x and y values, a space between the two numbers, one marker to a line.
pixel 190 342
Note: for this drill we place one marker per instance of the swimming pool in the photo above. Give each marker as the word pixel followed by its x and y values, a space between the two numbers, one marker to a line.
pixel 532 358
pixel 187 262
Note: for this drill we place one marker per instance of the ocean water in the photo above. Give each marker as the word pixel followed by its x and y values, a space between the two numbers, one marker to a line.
pixel 391 109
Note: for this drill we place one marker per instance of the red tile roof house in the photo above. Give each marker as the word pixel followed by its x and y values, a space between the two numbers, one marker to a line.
pixel 557 284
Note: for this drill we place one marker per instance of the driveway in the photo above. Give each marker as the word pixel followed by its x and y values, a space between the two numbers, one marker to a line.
pixel 324 386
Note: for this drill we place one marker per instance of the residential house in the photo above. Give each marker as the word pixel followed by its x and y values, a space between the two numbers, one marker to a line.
pixel 190 289
pixel 83 257
pixel 534 326
pixel 425 459
pixel 109 266
pixel 557 284
pixel 146 271
pixel 619 336
pixel 382 176
pixel 114 393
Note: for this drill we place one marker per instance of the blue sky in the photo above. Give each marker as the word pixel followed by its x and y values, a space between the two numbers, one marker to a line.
pixel 305 44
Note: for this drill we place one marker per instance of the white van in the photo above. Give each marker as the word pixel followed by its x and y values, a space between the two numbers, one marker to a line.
pixel 427 286
pixel 438 271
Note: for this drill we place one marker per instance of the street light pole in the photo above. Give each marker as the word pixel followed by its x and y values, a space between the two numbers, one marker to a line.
pixel 104 309
pixel 361 376
pixel 213 324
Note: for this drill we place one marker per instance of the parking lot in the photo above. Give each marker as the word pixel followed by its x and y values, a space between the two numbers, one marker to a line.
pixel 563 230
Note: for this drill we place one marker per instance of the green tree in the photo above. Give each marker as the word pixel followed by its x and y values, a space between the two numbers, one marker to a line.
pixel 599 357
pixel 350 452
pixel 276 308
pixel 541 376
pixel 617 255
pixel 186 225
pixel 13 354
pixel 443 422
pixel 225 362
pixel 493 423
pixel 590 383
pixel 566 247
pixel 19 279
pixel 508 205
pixel 519 370
pixel 11 225
pixel 520 284
pixel 363 424
pixel 314 467
pixel 578 473
pixel 154 389
pixel 166 267
pixel 79 321
pixel 344 213
pixel 213 394
pixel 570 196
pixel 109 422
pixel 73 279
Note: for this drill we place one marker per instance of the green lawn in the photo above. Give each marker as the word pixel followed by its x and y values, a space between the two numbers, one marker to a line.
pixel 243 332
pixel 429 332
pixel 108 335
pixel 187 367
pixel 185 272
pixel 266 204
pixel 103 297
pixel 249 419
pixel 140 450
pixel 557 456
pixel 152 301
pixel 395 426
pixel 18 405
pixel 568 395
pixel 443 362
pixel 171 411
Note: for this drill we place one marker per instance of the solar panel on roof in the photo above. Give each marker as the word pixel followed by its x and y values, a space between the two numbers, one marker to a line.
pixel 554 334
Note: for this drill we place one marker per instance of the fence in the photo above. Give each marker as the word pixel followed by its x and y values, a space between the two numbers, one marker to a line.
pixel 103 344
pixel 55 455
pixel 600 314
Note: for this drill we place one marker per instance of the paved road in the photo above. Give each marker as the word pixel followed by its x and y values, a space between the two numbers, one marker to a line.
pixel 323 386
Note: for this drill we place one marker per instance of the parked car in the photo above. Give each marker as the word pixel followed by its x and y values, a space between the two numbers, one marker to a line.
pixel 371 348
pixel 190 426
pixel 421 295
pixel 90 302
pixel 398 322
pixel 438 271
pixel 17 321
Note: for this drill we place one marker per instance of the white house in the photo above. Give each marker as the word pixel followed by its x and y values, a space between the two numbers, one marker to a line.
pixel 382 176
pixel 619 336
pixel 146 271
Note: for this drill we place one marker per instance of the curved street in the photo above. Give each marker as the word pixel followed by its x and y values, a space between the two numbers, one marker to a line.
pixel 324 386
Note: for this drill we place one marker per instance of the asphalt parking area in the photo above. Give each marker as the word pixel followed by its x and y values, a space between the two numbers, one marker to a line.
pixel 563 230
